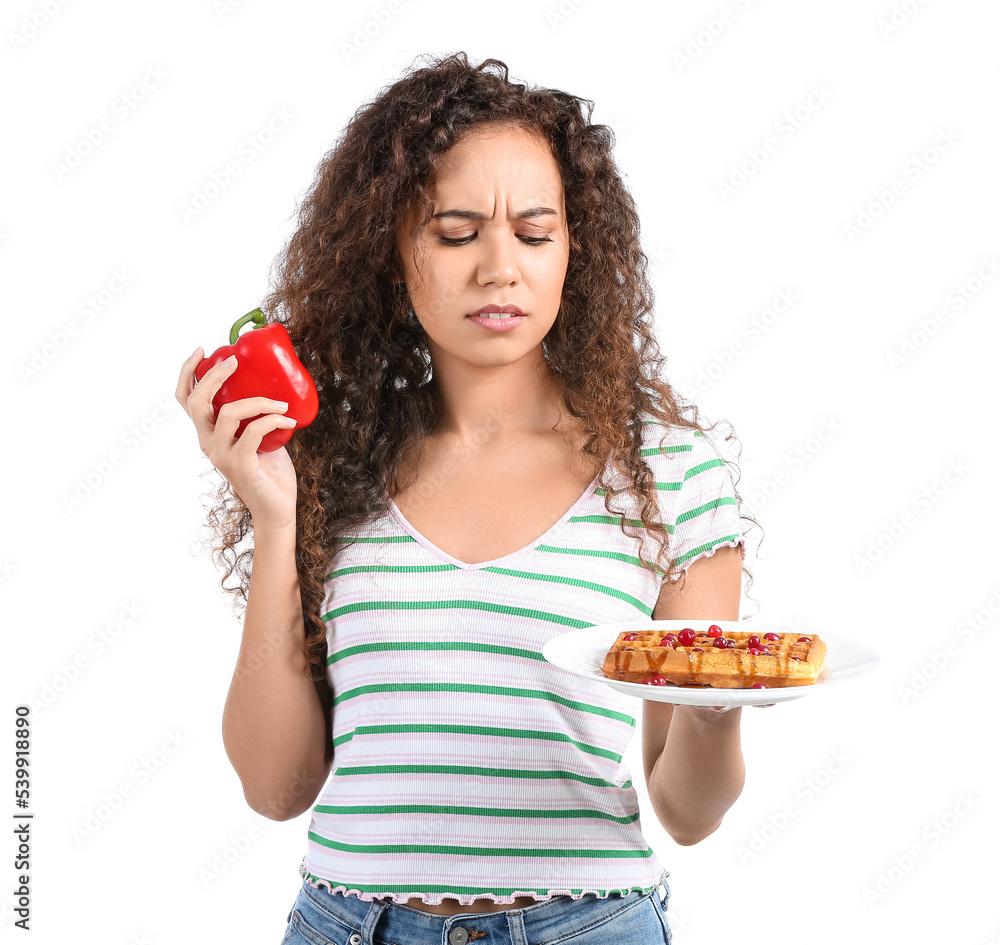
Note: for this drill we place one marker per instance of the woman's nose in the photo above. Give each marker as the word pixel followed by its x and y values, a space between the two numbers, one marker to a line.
pixel 498 262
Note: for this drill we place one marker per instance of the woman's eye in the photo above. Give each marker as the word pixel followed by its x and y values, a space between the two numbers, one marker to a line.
pixel 461 241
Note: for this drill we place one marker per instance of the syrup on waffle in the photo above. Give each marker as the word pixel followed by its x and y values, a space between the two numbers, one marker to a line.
pixel 703 655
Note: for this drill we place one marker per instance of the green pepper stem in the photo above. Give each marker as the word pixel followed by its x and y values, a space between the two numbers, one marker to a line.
pixel 256 316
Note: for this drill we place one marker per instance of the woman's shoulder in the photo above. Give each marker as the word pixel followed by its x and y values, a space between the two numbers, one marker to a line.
pixel 674 437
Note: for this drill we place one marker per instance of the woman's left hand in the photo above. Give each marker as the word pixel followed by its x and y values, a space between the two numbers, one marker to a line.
pixel 726 708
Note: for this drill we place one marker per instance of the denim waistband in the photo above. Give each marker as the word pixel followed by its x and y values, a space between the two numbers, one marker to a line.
pixel 400 923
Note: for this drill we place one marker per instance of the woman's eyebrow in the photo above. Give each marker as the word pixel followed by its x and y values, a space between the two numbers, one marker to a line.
pixel 476 215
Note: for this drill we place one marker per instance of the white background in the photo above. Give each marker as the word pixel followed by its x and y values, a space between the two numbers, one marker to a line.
pixel 868 441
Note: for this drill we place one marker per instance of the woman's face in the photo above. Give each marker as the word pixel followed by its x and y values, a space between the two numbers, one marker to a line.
pixel 513 249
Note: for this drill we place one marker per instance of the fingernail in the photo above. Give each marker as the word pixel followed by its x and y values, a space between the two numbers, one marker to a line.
pixel 196 350
pixel 230 361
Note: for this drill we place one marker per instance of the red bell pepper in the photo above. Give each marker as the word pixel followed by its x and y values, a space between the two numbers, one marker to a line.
pixel 267 366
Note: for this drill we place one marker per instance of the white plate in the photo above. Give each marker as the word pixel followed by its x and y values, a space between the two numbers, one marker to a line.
pixel 583 651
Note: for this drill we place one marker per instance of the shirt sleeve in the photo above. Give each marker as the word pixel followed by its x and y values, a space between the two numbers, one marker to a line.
pixel 706 515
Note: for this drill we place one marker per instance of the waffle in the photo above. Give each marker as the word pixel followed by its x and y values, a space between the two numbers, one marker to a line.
pixel 640 656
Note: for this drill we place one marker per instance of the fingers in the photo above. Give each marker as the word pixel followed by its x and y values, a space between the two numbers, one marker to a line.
pixel 223 436
pixel 200 397
pixel 217 434
pixel 198 402
pixel 726 708
pixel 254 432
pixel 186 380
pixel 235 412
pixel 770 705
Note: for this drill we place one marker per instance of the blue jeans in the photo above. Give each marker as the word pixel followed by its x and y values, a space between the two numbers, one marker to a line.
pixel 319 917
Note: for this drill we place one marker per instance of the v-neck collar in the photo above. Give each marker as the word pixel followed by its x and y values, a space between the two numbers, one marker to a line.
pixel 465 565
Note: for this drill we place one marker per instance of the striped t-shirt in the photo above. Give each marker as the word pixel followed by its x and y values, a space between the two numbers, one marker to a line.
pixel 465 764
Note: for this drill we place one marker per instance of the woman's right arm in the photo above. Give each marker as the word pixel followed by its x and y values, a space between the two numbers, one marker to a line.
pixel 274 724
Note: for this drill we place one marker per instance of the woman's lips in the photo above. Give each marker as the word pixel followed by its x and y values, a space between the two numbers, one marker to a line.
pixel 497 324
pixel 488 310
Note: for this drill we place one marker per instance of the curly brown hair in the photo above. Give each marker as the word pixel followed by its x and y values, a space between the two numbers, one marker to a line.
pixel 340 295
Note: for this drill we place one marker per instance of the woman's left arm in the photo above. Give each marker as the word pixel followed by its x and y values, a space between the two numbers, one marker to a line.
pixel 691 754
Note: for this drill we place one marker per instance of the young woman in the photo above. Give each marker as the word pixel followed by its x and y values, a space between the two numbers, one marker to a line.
pixel 471 487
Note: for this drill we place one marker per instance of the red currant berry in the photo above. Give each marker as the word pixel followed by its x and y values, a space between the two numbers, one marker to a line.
pixel 630 636
pixel 753 640
pixel 667 641
pixel 714 626
pixel 804 640
pixel 755 651
pixel 655 680
pixel 758 685
pixel 714 631
pixel 771 636
pixel 685 637
pixel 798 659
pixel 720 643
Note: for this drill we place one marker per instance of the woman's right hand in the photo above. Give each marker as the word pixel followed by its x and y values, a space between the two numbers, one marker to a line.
pixel 266 482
